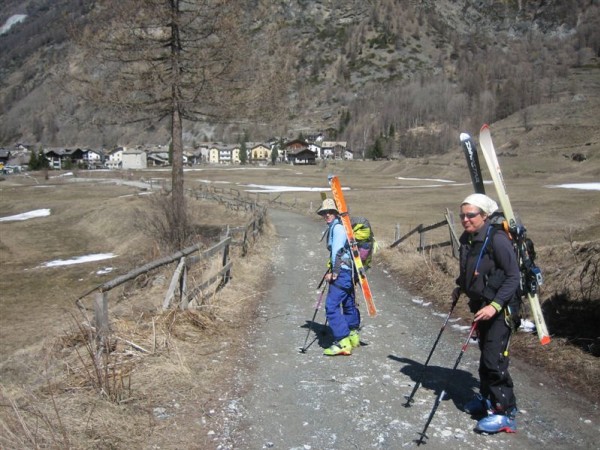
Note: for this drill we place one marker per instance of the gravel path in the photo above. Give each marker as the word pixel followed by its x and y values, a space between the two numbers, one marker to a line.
pixel 307 401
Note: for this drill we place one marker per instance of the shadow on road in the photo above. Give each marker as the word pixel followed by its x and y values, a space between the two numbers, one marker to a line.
pixel 318 332
pixel 460 385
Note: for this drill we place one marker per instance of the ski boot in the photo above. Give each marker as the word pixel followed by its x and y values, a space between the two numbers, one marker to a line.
pixel 354 338
pixel 342 347
pixel 495 423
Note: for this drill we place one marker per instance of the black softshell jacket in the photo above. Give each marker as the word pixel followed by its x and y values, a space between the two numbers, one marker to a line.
pixel 498 263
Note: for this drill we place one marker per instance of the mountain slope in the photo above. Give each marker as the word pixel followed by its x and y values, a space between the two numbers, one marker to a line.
pixel 345 56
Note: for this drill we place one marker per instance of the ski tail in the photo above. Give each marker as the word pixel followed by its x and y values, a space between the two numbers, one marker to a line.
pixel 530 274
pixel 538 319
pixel 470 150
pixel 338 197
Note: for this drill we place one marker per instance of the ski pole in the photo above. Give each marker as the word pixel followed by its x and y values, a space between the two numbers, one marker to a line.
pixel 317 307
pixel 418 383
pixel 440 397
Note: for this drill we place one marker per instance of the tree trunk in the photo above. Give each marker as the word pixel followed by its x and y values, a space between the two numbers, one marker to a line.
pixel 177 193
pixel 177 175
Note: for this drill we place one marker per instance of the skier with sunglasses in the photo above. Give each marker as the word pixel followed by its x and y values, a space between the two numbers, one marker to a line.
pixel 490 278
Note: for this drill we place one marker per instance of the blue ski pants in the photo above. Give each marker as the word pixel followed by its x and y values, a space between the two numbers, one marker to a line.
pixel 340 306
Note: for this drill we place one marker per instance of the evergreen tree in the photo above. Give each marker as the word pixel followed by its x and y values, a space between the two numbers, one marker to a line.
pixel 33 161
pixel 243 153
pixel 376 151
pixel 37 160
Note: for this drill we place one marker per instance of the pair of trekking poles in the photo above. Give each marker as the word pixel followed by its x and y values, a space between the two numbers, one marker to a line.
pixel 441 395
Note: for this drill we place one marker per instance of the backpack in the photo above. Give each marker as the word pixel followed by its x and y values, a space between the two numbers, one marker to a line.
pixel 531 275
pixel 365 239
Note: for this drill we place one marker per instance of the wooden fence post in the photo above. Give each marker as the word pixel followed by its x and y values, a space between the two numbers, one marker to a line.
pixel 453 236
pixel 227 274
pixel 183 288
pixel 101 314
pixel 174 282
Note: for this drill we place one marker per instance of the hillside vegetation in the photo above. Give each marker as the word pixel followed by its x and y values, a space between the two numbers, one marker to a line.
pixel 403 75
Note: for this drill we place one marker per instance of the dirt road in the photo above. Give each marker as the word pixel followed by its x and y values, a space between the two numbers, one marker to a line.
pixel 293 400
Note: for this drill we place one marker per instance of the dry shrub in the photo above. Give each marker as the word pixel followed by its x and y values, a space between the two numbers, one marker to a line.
pixel 573 307
pixel 96 362
pixel 430 273
pixel 173 362
pixel 161 222
pixel 28 423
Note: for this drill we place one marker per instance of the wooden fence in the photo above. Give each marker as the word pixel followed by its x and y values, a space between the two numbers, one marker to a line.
pixel 237 200
pixel 422 230
pixel 179 288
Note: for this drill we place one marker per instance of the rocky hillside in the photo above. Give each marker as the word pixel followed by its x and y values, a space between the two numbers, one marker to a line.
pixel 370 70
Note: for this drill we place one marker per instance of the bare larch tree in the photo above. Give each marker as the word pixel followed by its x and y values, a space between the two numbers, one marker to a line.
pixel 176 60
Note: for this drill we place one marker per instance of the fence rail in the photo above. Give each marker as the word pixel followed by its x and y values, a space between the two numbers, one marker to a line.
pixel 422 230
pixel 187 258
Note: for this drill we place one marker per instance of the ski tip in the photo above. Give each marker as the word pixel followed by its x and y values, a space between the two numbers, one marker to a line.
pixel 464 137
pixel 545 340
pixel 485 127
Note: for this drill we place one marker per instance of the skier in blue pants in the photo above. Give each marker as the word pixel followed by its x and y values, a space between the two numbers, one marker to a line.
pixel 340 305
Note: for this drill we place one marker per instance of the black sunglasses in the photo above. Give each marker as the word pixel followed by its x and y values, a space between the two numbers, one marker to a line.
pixel 470 215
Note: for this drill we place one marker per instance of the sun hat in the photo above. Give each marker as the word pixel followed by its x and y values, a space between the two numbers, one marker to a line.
pixel 483 202
pixel 328 205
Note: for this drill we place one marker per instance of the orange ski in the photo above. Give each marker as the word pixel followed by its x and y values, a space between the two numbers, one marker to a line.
pixel 338 197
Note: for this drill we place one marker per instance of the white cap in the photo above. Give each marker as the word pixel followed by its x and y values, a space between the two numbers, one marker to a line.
pixel 483 202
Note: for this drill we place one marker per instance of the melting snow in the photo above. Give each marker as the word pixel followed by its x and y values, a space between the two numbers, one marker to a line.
pixel 78 260
pixel 583 186
pixel 27 215
pixel 12 20
pixel 263 188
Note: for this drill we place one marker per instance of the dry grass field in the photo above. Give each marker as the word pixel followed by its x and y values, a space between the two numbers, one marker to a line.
pixel 50 394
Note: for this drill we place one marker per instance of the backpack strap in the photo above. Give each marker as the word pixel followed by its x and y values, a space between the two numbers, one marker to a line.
pixel 485 248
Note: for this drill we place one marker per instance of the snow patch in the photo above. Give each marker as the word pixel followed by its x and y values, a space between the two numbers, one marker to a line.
pixel 527 326
pixel 263 188
pixel 11 21
pixel 582 186
pixel 440 180
pixel 78 260
pixel 28 215
pixel 461 327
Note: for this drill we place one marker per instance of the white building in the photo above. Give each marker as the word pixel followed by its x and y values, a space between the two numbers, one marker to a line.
pixel 134 159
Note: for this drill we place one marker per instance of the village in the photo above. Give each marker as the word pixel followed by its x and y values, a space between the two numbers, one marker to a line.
pixel 300 151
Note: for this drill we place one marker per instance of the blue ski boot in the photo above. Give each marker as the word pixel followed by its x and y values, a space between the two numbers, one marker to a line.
pixel 495 423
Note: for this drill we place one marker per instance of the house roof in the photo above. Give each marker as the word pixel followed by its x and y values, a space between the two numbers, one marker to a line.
pixel 302 152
